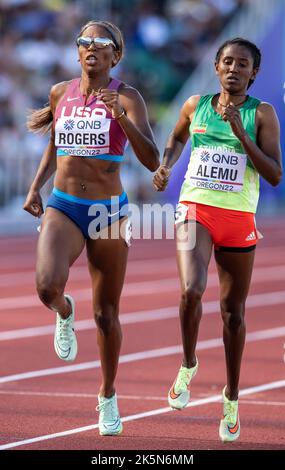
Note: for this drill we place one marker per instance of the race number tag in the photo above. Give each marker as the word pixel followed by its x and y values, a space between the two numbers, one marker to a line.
pixel 220 170
pixel 128 232
pixel 180 213
pixel 82 136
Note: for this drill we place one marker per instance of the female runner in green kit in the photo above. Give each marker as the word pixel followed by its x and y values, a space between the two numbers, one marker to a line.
pixel 235 138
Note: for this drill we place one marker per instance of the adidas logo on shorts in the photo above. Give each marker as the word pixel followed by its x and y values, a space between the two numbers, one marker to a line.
pixel 251 236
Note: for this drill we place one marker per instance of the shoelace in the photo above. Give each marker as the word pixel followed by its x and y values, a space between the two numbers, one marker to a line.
pixel 182 381
pixel 108 409
pixel 230 412
pixel 64 329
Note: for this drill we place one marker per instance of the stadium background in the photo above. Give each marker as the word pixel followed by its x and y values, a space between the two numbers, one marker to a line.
pixel 46 404
pixel 170 49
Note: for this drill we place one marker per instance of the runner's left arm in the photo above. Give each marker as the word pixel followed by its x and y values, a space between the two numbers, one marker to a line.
pixel 129 108
pixel 265 155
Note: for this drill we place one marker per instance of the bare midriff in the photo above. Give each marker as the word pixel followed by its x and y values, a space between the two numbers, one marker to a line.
pixel 88 178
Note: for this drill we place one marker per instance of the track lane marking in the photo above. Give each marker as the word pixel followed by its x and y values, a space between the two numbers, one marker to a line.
pixel 253 301
pixel 147 414
pixel 142 355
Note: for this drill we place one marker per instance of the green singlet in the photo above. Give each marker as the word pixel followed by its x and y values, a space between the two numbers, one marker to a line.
pixel 219 172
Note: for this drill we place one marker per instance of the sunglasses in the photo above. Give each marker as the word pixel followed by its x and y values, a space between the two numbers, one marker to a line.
pixel 99 43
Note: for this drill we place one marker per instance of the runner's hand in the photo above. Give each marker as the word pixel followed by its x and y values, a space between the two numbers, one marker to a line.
pixel 161 177
pixel 232 115
pixel 111 99
pixel 33 203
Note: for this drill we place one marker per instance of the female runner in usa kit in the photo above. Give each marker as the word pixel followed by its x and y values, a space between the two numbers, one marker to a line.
pixel 235 138
pixel 92 117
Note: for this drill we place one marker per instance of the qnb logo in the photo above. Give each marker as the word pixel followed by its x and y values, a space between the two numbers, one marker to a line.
pixel 69 124
pixel 205 156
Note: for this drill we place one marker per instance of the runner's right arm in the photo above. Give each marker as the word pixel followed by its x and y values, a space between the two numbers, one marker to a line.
pixel 175 143
pixel 47 166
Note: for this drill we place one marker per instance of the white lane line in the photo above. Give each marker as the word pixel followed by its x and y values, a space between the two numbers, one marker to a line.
pixel 139 356
pixel 27 261
pixel 80 273
pixel 143 287
pixel 75 395
pixel 47 394
pixel 26 256
pixel 126 318
pixel 159 411
pixel 263 403
pixel 133 289
pixel 265 255
pixel 122 397
pixel 253 301
pixel 144 267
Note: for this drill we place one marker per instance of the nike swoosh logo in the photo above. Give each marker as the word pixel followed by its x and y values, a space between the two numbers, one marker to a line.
pixel 65 351
pixel 112 426
pixel 112 215
pixel 72 99
pixel 172 394
pixel 234 429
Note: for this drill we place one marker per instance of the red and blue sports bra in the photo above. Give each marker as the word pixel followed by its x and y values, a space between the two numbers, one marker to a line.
pixel 87 131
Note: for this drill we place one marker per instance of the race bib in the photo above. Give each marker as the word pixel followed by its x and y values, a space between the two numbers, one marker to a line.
pixel 83 137
pixel 220 170
pixel 180 213
pixel 128 232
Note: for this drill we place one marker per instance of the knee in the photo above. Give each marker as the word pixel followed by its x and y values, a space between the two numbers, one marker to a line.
pixel 48 290
pixel 191 295
pixel 233 315
pixel 106 317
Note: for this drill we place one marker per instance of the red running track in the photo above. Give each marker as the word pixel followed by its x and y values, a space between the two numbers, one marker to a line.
pixel 49 404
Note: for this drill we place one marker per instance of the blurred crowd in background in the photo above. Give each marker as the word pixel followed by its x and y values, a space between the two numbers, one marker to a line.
pixel 164 39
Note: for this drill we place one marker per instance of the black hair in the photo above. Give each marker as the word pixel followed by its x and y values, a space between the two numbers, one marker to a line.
pixel 250 46
pixel 40 120
pixel 113 30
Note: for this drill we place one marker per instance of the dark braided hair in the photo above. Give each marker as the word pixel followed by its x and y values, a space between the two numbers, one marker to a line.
pixel 252 48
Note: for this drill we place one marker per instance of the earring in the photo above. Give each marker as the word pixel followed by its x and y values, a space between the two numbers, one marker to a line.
pixel 78 60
